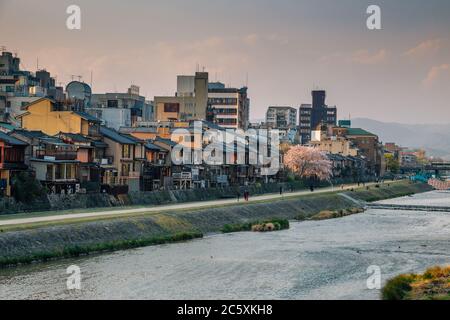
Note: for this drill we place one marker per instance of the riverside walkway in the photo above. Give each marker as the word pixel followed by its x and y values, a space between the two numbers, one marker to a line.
pixel 11 221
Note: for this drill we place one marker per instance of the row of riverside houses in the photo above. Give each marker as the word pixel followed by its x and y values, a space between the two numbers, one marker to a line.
pixel 69 151
pixel 76 141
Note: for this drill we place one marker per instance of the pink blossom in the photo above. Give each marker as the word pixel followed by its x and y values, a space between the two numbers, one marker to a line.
pixel 307 162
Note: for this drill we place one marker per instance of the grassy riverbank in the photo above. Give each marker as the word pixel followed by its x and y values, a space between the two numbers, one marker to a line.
pixel 34 242
pixel 434 284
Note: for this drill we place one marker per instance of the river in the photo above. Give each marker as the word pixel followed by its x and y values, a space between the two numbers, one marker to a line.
pixel 311 260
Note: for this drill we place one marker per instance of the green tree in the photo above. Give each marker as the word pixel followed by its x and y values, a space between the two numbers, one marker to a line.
pixel 392 164
pixel 25 188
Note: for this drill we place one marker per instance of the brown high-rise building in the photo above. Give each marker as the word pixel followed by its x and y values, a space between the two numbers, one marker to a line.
pixel 316 115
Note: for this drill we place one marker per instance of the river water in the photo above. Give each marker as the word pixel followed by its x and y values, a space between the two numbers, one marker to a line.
pixel 311 260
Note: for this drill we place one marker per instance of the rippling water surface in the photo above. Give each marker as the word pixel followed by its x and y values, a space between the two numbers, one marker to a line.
pixel 312 260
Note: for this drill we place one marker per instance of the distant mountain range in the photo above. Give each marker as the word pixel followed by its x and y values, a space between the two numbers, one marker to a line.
pixel 434 138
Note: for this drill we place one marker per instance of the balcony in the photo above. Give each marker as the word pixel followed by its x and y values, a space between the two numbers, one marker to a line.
pixel 57 155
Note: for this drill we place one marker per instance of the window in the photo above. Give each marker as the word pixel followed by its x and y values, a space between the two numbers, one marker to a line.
pixel 227 122
pixel 59 172
pixel 171 107
pixel 113 103
pixel 49 175
pixel 126 151
pixel 126 169
pixel 70 171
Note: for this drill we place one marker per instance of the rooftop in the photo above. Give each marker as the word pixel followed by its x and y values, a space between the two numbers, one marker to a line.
pixel 359 132
pixel 11 140
pixel 87 116
pixel 76 137
pixel 116 136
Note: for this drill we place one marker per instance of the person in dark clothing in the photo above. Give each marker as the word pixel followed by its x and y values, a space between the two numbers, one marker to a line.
pixel 238 194
pixel 281 191
pixel 311 187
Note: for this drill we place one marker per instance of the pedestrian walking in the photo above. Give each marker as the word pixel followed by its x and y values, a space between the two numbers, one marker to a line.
pixel 238 195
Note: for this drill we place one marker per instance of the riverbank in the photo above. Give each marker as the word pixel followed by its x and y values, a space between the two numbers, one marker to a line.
pixel 72 238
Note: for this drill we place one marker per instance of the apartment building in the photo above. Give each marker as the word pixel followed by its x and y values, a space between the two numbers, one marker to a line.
pixel 189 102
pixel 228 107
pixel 281 117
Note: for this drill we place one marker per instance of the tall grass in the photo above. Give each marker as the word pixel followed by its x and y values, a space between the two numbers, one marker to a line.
pixel 79 250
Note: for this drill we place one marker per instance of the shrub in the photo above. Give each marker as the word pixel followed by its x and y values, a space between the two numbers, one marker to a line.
pixel 397 288
pixel 272 224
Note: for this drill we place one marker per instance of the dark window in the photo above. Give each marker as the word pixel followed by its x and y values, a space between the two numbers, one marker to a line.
pixel 113 103
pixel 171 107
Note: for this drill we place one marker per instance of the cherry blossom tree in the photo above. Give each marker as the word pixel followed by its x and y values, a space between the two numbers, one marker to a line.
pixel 308 162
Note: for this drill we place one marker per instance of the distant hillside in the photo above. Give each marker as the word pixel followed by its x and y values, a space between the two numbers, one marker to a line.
pixel 433 138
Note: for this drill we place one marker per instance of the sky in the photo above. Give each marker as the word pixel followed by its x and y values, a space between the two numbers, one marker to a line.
pixel 281 48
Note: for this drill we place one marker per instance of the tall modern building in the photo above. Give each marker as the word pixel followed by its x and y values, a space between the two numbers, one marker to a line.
pixel 281 117
pixel 189 102
pixel 228 107
pixel 316 115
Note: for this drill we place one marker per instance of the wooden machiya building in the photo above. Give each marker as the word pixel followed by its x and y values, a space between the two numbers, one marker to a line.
pixel 12 161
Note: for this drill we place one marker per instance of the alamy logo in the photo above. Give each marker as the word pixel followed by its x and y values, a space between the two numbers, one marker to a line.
pixel 73 21
pixel 374 20
pixel 374 280
pixel 259 148
pixel 74 279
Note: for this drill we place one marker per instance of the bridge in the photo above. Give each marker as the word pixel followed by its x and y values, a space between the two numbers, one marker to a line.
pixel 381 206
pixel 434 167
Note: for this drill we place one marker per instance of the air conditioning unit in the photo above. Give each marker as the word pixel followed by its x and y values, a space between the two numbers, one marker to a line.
pixel 105 161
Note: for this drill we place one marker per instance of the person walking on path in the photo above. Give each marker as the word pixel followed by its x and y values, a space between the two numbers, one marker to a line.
pixel 238 194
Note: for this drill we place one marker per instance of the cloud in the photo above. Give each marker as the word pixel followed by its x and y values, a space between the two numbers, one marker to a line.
pixel 365 57
pixel 424 48
pixel 435 73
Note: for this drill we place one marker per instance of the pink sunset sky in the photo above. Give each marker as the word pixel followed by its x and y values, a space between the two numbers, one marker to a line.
pixel 286 47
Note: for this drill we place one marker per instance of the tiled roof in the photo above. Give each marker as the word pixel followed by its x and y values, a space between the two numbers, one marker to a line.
pixel 115 136
pixel 31 134
pixel 11 140
pixel 359 132
pixel 151 146
pixel 167 141
pixel 76 137
pixel 7 126
pixel 87 116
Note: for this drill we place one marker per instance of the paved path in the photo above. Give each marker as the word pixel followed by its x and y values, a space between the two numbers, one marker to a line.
pixel 162 208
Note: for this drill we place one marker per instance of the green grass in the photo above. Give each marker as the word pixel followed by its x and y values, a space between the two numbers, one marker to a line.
pixel 76 251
